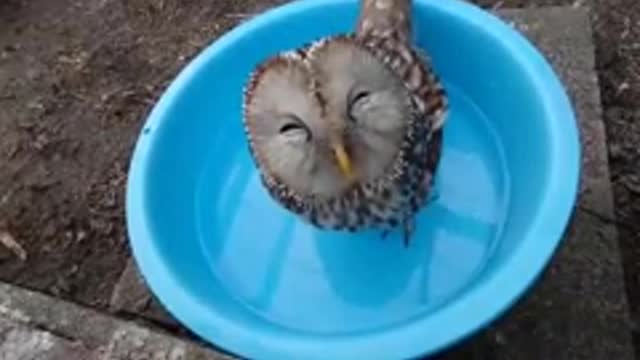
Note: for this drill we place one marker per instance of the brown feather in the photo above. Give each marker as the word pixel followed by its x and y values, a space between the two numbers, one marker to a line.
pixel 385 18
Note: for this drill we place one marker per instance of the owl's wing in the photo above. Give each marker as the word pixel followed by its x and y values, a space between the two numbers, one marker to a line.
pixel 439 114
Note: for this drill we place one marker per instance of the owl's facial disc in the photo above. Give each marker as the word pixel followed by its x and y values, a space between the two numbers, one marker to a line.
pixel 326 120
pixel 368 100
pixel 291 138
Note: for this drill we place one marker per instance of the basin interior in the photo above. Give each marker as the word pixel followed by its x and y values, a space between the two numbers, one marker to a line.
pixel 239 254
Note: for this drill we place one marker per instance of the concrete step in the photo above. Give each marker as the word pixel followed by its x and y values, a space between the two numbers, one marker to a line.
pixel 38 327
pixel 20 341
pixel 578 310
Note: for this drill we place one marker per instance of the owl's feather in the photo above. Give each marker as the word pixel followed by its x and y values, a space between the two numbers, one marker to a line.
pixel 386 19
pixel 370 95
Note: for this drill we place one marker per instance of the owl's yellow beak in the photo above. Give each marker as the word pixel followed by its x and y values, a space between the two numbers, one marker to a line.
pixel 344 162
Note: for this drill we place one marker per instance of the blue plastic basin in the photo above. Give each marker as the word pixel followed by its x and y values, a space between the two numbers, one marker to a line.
pixel 246 275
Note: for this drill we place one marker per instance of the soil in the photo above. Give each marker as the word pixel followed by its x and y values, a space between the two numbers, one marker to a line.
pixel 78 77
pixel 76 80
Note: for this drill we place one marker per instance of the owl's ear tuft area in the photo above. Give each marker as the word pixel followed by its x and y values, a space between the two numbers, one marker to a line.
pixel 324 44
pixel 280 62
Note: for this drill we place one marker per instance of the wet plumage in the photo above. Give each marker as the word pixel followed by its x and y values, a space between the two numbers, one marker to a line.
pixel 347 131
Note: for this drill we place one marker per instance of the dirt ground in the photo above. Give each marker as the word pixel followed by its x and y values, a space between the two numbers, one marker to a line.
pixel 78 77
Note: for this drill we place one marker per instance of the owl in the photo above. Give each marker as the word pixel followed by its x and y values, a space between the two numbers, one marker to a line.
pixel 346 132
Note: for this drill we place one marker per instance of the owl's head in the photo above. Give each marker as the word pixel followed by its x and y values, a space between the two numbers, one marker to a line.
pixel 326 117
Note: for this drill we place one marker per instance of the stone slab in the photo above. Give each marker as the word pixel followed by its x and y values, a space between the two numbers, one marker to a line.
pixel 39 327
pixel 21 342
pixel 578 309
pixel 131 297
